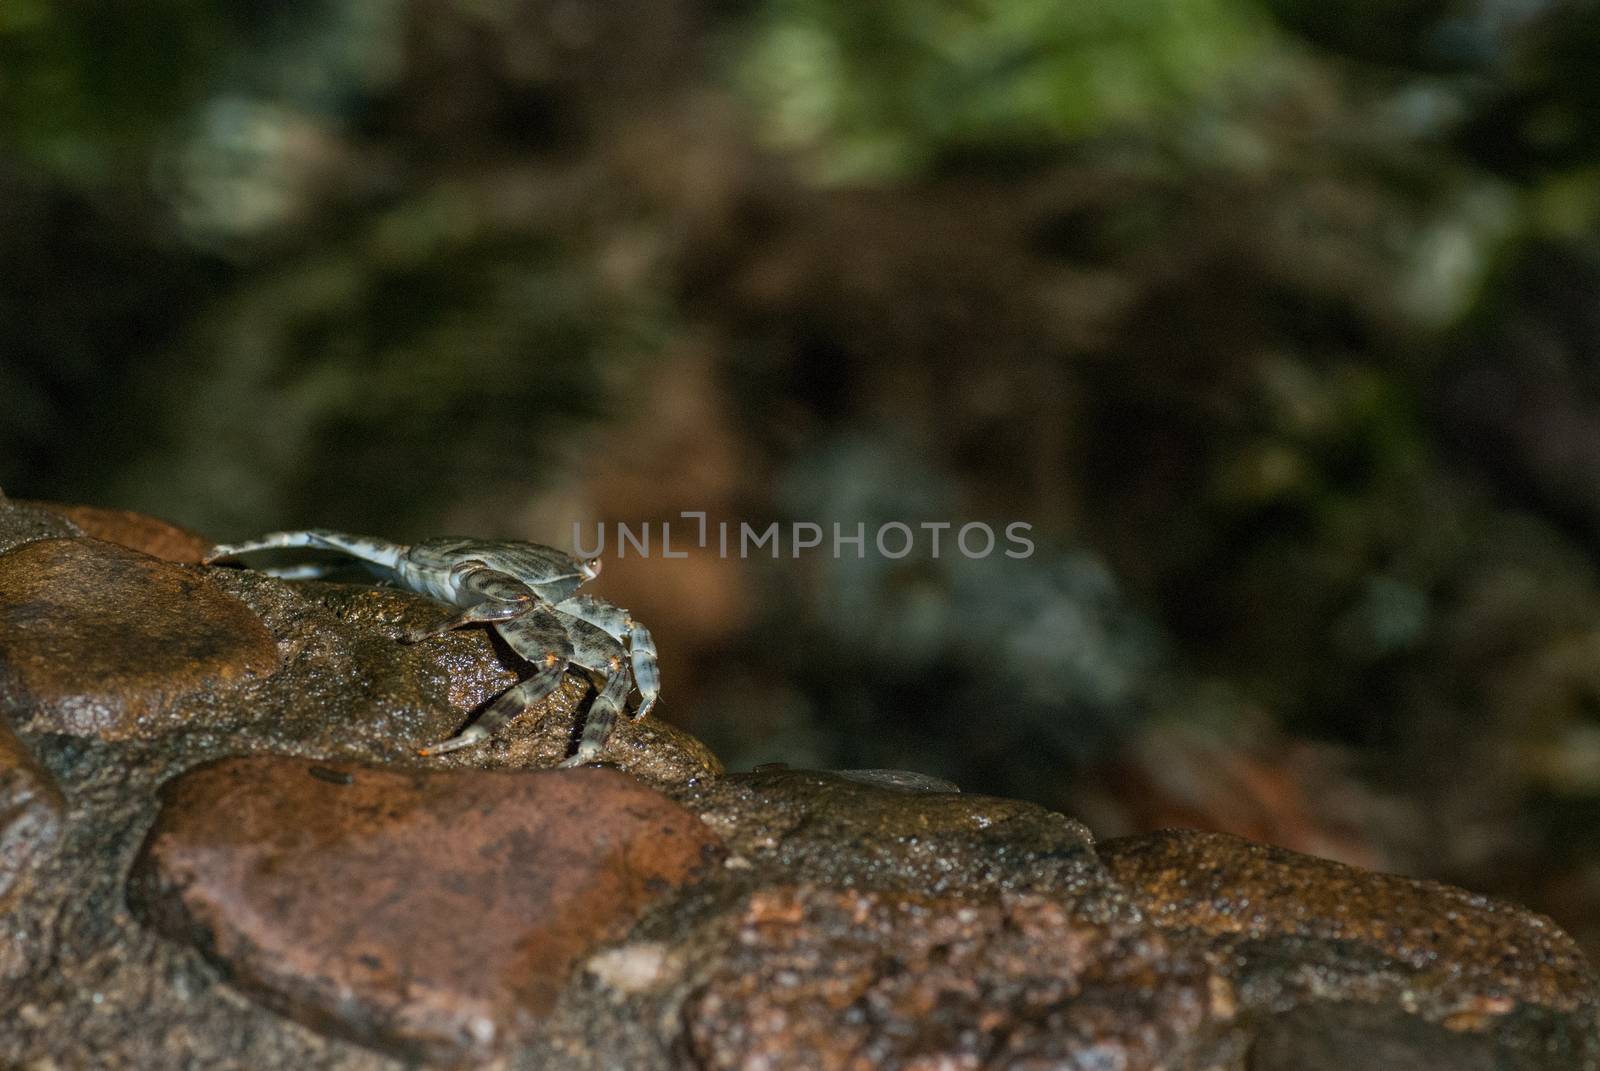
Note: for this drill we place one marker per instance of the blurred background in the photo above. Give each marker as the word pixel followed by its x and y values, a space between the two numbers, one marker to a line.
pixel 1278 320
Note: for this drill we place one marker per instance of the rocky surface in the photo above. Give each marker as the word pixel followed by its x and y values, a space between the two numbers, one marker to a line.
pixel 432 915
pixel 850 978
pixel 31 808
pixel 153 536
pixel 99 640
pixel 218 848
pixel 22 523
pixel 1232 892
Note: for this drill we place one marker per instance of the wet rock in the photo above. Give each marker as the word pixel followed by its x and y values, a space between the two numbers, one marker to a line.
pixel 472 666
pixel 1177 950
pixel 138 531
pixel 794 821
pixel 139 648
pixel 861 919
pixel 828 979
pixel 22 523
pixel 1344 1036
pixel 350 689
pixel 656 752
pixel 31 814
pixel 100 640
pixel 1468 959
pixel 434 915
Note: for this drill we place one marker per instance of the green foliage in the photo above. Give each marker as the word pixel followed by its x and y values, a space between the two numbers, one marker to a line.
pixel 84 86
pixel 885 88
pixel 380 378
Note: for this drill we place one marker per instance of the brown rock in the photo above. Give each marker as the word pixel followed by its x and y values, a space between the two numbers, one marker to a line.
pixel 137 531
pixel 850 980
pixel 1475 958
pixel 21 523
pixel 1012 944
pixel 867 918
pixel 1340 1037
pixel 31 812
pixel 433 915
pixel 477 666
pixel 868 828
pixel 100 640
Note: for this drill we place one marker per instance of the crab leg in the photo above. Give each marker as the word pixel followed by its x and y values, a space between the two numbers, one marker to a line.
pixel 642 648
pixel 619 624
pixel 500 598
pixel 539 637
pixel 612 620
pixel 593 648
pixel 602 716
pixel 599 652
pixel 377 551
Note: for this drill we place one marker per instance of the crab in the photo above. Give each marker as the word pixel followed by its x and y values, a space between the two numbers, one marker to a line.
pixel 526 592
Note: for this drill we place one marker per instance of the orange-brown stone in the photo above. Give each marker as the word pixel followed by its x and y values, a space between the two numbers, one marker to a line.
pixel 433 915
pixel 1494 955
pixel 137 531
pixel 100 640
pixel 851 979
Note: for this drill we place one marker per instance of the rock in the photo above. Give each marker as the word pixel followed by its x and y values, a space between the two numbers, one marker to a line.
pixel 100 640
pixel 835 980
pixel 1341 1037
pixel 21 523
pixel 1012 943
pixel 140 648
pixel 656 752
pixel 793 822
pixel 433 915
pixel 137 531
pixel 349 689
pixel 32 810
pixel 472 666
pixel 82 984
pixel 862 919
pixel 1469 959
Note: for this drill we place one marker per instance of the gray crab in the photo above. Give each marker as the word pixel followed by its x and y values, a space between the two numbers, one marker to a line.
pixel 525 592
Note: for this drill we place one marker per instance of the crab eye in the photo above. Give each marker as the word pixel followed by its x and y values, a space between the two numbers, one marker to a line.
pixel 591 568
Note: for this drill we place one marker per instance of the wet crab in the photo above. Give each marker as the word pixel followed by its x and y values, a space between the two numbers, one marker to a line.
pixel 525 592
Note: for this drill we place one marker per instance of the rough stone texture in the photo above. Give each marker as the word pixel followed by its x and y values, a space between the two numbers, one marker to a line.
pixel 21 523
pixel 139 647
pixel 153 536
pixel 1026 946
pixel 795 821
pixel 433 915
pixel 31 811
pixel 1494 956
pixel 1346 1037
pixel 850 979
pixel 82 983
pixel 100 640
pixel 465 669
pixel 861 918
